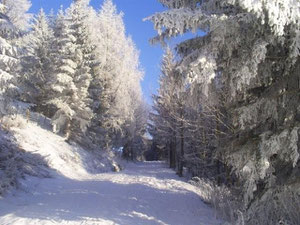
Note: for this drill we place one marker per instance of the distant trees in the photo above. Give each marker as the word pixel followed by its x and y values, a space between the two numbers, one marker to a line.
pixel 135 142
pixel 183 121
pixel 238 79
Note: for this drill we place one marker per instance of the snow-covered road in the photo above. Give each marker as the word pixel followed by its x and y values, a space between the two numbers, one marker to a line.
pixel 143 194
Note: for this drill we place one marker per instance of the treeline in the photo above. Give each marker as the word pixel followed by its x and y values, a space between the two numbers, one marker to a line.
pixel 228 104
pixel 78 68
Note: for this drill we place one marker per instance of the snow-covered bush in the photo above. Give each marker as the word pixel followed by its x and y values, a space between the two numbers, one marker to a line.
pixel 226 203
pixel 95 161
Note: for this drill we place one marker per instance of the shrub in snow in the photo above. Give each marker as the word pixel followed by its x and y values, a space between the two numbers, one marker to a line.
pixel 95 161
pixel 224 200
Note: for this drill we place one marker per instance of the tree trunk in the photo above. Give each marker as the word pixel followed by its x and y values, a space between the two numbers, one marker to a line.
pixel 173 151
pixel 181 158
pixel 170 155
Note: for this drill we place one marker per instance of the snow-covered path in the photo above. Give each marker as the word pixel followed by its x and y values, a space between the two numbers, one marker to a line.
pixel 143 194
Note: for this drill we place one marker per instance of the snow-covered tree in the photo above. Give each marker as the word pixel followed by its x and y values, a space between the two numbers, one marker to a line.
pixel 38 62
pixel 269 21
pixel 165 117
pixel 9 62
pixel 62 86
pixel 131 99
pixel 116 74
pixel 17 12
pixel 112 35
pixel 244 68
pixel 135 141
pixel 73 75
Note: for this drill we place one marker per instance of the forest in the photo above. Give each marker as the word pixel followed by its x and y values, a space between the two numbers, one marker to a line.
pixel 225 118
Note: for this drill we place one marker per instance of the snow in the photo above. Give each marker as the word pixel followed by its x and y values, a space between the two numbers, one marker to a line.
pixel 69 160
pixel 144 193
pixel 76 193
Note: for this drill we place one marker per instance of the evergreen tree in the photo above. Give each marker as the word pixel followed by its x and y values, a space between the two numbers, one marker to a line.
pixel 163 127
pixel 116 75
pixel 249 50
pixel 17 12
pixel 111 31
pixel 37 63
pixel 169 112
pixel 9 62
pixel 73 75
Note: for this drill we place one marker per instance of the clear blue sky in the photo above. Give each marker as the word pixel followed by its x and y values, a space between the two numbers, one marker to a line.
pixel 134 11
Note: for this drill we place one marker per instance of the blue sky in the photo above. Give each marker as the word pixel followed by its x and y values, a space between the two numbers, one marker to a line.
pixel 134 11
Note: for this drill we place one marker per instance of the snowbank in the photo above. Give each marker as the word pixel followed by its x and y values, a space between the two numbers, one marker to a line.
pixel 27 148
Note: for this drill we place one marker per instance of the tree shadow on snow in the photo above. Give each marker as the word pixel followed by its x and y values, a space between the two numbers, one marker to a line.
pixel 15 163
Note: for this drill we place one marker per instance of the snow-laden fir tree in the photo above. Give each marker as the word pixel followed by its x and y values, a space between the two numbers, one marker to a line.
pixel 164 117
pixel 181 126
pixel 111 38
pixel 116 74
pixel 134 126
pixel 9 62
pixel 267 19
pixel 245 65
pixel 17 12
pixel 73 75
pixel 38 63
pixel 62 86
pixel 135 140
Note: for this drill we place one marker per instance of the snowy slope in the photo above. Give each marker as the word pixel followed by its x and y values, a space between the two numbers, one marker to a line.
pixel 69 160
pixel 143 194
pixel 28 149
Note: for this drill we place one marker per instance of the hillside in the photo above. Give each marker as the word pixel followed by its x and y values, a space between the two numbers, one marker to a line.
pixel 29 149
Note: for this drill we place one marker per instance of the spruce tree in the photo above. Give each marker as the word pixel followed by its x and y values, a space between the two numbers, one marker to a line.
pixel 9 63
pixel 116 75
pixel 73 74
pixel 38 63
pixel 243 68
